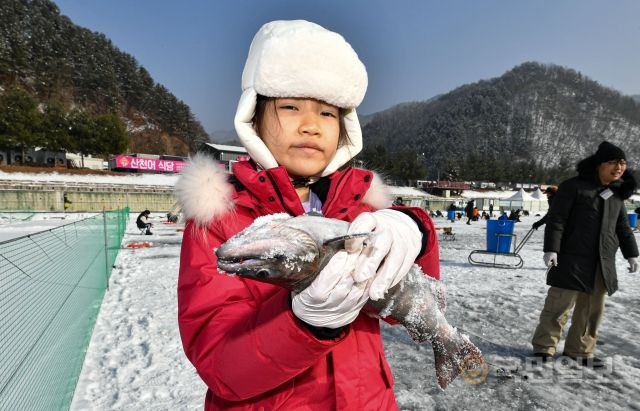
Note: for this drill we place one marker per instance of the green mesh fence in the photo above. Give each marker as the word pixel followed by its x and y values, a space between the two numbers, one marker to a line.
pixel 51 287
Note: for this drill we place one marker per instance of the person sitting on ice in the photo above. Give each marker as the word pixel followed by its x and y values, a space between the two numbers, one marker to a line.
pixel 174 214
pixel 143 222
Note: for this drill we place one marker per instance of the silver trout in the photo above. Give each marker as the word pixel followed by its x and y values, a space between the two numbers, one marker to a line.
pixel 291 251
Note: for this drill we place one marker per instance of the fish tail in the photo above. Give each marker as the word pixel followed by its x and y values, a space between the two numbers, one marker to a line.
pixel 455 356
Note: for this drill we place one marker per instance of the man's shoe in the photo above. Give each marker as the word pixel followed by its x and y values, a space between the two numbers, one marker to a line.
pixel 590 362
pixel 541 358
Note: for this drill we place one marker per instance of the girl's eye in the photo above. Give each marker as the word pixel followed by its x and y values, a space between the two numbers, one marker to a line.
pixel 329 114
pixel 288 107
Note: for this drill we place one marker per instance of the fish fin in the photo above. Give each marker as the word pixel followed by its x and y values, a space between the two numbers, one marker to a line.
pixel 458 356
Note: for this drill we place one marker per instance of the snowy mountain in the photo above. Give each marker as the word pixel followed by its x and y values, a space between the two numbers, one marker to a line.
pixel 538 116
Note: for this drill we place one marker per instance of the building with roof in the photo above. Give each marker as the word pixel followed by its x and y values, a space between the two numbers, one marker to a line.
pixel 225 154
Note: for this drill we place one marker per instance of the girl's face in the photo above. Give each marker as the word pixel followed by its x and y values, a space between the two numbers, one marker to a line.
pixel 611 171
pixel 301 133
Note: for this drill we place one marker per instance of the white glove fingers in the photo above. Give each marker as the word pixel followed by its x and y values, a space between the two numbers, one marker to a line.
pixel 371 257
pixel 328 278
pixel 395 266
pixel 365 267
pixel 364 223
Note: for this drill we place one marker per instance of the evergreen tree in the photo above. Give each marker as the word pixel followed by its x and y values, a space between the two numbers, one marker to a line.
pixel 19 120
pixel 54 59
pixel 54 127
pixel 111 135
pixel 83 136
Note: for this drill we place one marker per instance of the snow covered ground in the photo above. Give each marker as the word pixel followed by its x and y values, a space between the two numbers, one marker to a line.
pixel 135 360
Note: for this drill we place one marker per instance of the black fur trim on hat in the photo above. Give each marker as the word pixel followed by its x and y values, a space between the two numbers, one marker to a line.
pixel 587 166
pixel 628 186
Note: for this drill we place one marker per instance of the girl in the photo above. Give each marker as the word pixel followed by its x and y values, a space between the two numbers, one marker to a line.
pixel 255 345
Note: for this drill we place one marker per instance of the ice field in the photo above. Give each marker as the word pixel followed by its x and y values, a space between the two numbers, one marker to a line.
pixel 135 359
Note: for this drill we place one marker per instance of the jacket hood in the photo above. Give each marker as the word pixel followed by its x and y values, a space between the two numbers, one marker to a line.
pixel 626 186
pixel 204 192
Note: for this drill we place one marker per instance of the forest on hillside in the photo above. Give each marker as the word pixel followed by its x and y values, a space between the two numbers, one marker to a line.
pixel 69 70
pixel 532 124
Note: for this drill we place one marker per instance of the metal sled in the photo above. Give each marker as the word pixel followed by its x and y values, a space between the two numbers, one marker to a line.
pixel 511 260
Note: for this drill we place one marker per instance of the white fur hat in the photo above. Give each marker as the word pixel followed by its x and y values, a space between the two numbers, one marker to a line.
pixel 301 59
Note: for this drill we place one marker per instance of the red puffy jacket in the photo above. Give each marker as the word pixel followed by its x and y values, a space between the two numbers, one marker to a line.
pixel 242 336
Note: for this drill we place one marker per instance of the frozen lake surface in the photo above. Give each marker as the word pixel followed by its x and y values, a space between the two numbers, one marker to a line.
pixel 135 359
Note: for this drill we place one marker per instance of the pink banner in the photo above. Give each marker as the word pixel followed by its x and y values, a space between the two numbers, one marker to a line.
pixel 149 164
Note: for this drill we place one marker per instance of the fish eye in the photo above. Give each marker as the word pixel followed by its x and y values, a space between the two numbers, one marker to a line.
pixel 262 273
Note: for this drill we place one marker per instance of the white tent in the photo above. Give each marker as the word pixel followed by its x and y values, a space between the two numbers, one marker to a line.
pixel 524 201
pixel 538 195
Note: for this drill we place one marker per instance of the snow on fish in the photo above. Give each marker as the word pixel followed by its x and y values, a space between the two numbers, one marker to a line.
pixel 291 251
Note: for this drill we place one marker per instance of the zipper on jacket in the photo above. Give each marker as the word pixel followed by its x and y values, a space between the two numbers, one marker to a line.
pixel 332 194
pixel 275 187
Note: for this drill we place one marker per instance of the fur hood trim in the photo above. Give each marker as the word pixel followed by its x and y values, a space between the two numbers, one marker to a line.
pixel 378 195
pixel 203 191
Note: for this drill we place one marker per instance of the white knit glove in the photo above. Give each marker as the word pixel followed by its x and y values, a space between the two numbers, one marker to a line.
pixel 333 299
pixel 633 264
pixel 397 241
pixel 550 259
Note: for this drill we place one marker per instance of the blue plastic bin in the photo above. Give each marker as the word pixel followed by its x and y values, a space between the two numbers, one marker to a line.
pixel 451 215
pixel 633 220
pixel 495 243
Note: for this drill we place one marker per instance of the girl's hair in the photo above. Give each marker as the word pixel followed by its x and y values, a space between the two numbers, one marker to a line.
pixel 261 107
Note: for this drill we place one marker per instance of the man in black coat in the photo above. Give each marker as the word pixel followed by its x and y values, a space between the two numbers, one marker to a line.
pixel 586 224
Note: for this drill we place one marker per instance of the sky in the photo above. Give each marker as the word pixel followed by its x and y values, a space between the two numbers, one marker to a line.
pixel 413 50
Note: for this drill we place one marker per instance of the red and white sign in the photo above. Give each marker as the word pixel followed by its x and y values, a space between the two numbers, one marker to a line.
pixel 149 164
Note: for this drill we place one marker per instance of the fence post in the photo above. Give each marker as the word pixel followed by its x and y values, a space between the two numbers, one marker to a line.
pixel 106 246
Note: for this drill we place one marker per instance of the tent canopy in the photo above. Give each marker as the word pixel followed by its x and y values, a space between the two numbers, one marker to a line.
pixel 539 195
pixel 524 201
pixel 520 195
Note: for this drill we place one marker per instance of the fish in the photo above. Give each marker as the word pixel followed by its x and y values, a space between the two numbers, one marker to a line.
pixel 290 252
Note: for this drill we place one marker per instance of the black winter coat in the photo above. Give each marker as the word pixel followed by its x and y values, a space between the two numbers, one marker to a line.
pixel 586 230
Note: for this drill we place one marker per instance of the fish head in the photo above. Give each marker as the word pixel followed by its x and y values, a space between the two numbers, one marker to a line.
pixel 272 250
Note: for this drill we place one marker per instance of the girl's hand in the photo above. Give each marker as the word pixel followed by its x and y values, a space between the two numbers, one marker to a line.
pixel 333 299
pixel 387 256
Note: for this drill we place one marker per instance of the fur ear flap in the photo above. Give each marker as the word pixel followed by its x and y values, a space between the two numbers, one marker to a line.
pixel 378 196
pixel 203 191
